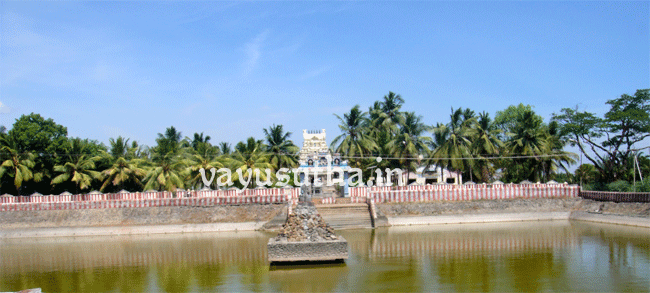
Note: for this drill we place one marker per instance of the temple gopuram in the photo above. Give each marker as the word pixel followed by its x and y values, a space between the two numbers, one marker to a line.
pixel 317 162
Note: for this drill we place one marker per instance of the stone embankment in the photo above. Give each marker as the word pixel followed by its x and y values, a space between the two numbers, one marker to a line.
pixel 636 214
pixel 123 221
pixel 621 213
pixel 139 216
pixel 479 207
pixel 629 209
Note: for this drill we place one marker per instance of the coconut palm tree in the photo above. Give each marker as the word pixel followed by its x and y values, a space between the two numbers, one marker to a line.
pixel 249 147
pixel 382 139
pixel 451 144
pixel 76 146
pixel 167 173
pixel 199 139
pixel 200 144
pixel 381 136
pixel 249 166
pixel 467 114
pixel 169 162
pixel 79 171
pixel 198 162
pixel 354 139
pixel 168 143
pixel 123 172
pixel 15 164
pixel 247 158
pixel 224 148
pixel 485 144
pixel 390 116
pixel 409 143
pixel 137 151
pixel 560 159
pixel 586 174
pixel 119 147
pixel 530 139
pixel 282 151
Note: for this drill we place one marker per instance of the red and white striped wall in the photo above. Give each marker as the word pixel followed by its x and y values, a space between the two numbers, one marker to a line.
pixel 39 202
pixel 449 192
pixel 442 192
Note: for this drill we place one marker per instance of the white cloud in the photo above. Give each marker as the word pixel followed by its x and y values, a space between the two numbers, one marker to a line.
pixel 316 72
pixel 254 51
pixel 4 108
pixel 87 61
pixel 28 53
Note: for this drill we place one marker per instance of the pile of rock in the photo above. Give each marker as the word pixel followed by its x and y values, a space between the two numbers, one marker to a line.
pixel 306 237
pixel 305 224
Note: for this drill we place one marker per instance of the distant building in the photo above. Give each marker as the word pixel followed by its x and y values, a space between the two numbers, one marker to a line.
pixel 317 161
pixel 435 175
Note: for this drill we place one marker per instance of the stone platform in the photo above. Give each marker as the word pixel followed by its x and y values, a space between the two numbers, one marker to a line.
pixel 306 237
pixel 324 250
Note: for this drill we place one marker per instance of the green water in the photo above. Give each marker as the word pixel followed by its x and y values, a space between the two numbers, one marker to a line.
pixel 537 256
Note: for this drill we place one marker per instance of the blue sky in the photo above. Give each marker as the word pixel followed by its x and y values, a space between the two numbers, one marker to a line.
pixel 105 69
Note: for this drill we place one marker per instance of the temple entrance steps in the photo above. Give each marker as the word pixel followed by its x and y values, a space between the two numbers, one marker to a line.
pixel 346 216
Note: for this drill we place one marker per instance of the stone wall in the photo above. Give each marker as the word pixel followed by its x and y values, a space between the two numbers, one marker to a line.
pixel 521 205
pixel 616 196
pixel 167 215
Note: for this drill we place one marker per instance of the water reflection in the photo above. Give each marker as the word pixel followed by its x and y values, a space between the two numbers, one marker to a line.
pixel 464 240
pixel 537 256
pixel 322 277
pixel 465 257
pixel 129 263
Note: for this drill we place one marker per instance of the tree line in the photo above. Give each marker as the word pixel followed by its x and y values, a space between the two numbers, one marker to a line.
pixel 516 145
pixel 37 156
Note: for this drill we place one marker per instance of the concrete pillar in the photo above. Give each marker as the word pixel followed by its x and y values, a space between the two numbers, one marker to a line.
pixel 303 180
pixel 346 188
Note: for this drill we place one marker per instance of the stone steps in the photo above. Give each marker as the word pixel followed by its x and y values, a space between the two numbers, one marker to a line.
pixel 346 216
pixel 343 211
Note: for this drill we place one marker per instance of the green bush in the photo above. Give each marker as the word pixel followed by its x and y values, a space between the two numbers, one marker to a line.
pixel 587 186
pixel 620 185
pixel 595 186
pixel 643 186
